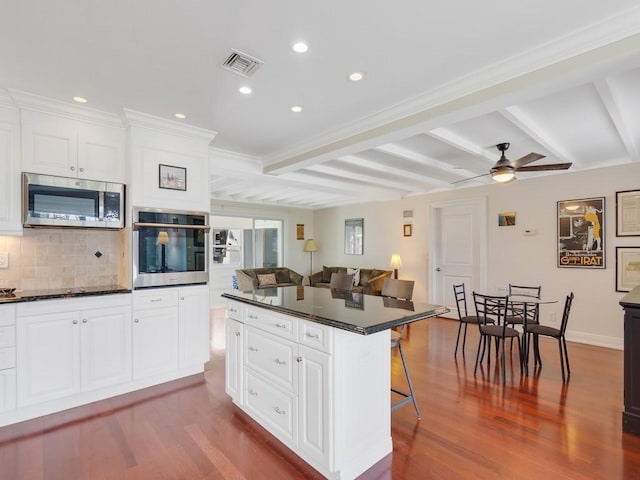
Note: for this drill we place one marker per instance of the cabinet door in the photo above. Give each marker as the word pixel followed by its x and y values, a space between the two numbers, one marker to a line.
pixel 233 360
pixel 101 153
pixel 49 144
pixel 194 326
pixel 10 207
pixel 48 348
pixel 314 394
pixel 105 347
pixel 7 389
pixel 155 346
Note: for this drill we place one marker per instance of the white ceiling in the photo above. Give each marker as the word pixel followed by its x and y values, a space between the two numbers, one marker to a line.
pixel 445 82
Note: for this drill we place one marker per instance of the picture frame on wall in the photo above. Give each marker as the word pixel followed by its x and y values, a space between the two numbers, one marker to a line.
pixel 354 236
pixel 628 213
pixel 581 233
pixel 172 178
pixel 407 230
pixel 627 268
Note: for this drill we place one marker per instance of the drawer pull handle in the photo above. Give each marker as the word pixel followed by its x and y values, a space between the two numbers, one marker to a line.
pixel 253 392
pixel 280 362
pixel 298 359
pixel 233 310
pixel 281 325
pixel 153 300
pixel 280 412
pixel 253 316
pixel 313 335
pixel 253 349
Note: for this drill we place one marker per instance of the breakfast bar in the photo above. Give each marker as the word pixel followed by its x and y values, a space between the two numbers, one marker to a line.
pixel 312 366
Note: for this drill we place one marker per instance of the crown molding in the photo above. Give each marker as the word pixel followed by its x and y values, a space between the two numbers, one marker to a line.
pixel 150 122
pixel 37 103
pixel 618 34
pixel 228 161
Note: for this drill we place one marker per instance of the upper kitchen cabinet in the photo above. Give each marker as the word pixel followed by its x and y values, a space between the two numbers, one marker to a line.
pixel 65 140
pixel 168 163
pixel 10 219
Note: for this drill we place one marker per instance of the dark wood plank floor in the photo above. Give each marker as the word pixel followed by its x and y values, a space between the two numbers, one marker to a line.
pixel 535 427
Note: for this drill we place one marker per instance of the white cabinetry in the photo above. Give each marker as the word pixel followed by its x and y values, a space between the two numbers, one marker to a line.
pixel 170 329
pixel 56 145
pixel 10 206
pixel 322 391
pixel 7 357
pixel 84 346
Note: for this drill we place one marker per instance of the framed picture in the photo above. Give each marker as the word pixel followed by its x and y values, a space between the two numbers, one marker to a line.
pixel 506 219
pixel 354 236
pixel 628 213
pixel 407 229
pixel 627 268
pixel 173 178
pixel 299 231
pixel 581 233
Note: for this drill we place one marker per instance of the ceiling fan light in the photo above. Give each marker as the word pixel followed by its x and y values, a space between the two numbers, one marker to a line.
pixel 503 174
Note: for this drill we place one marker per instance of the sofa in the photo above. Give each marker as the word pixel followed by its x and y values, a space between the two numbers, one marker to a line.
pixel 254 278
pixel 367 280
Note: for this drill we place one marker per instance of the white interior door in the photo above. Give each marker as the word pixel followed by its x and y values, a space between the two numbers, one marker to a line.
pixel 459 250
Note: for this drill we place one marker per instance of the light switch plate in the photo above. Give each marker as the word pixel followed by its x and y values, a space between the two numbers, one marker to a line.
pixel 4 259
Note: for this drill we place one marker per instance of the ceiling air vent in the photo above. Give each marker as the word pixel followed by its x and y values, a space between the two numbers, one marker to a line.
pixel 241 63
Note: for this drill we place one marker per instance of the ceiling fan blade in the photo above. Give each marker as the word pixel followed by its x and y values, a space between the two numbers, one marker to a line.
pixel 531 157
pixel 470 178
pixel 541 168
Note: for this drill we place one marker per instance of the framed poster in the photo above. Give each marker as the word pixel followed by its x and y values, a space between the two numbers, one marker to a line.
pixel 173 178
pixel 353 236
pixel 581 233
pixel 407 230
pixel 628 213
pixel 627 268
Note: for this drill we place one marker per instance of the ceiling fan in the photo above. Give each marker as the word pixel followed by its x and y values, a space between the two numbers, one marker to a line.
pixel 505 170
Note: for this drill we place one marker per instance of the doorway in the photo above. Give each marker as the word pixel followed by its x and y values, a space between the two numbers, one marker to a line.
pixel 459 249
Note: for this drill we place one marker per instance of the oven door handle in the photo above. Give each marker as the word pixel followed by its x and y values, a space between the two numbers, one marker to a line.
pixel 138 225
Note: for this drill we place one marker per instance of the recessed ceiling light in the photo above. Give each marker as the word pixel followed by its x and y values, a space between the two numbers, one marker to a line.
pixel 356 76
pixel 245 90
pixel 300 47
pixel 296 109
pixel 181 116
pixel 80 99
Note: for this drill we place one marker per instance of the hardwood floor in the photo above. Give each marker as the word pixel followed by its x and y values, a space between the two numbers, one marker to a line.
pixel 535 427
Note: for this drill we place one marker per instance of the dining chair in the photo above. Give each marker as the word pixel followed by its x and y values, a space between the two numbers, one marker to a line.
pixel 494 307
pixel 516 311
pixel 463 315
pixel 401 290
pixel 558 334
pixel 341 281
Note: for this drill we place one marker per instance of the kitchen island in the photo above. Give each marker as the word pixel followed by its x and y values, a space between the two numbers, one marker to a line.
pixel 312 366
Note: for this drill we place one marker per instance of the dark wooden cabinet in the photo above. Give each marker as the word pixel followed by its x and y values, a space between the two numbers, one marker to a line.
pixel 631 414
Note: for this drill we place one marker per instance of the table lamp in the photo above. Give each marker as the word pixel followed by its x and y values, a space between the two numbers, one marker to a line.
pixel 396 263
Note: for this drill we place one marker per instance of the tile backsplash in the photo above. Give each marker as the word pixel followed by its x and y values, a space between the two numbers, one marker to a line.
pixel 59 258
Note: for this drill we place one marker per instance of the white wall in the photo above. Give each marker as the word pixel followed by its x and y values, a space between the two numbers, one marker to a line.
pixel 596 315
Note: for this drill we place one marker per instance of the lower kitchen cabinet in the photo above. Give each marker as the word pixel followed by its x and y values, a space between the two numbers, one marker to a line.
pixel 233 368
pixel 155 346
pixel 61 354
pixel 7 357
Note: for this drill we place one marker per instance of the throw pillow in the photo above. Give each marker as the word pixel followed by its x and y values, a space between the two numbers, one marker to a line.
pixel 267 280
pixel 282 275
pixel 326 273
pixel 356 275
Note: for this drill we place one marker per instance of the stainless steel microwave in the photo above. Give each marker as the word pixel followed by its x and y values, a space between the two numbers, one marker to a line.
pixel 49 201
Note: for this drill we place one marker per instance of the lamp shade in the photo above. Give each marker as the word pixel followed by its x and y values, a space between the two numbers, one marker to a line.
pixel 163 238
pixel 310 246
pixel 396 261
pixel 503 174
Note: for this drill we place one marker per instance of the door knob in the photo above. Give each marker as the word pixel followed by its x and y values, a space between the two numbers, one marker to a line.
pixel 437 269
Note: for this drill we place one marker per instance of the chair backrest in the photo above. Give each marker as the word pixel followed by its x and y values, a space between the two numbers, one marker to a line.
pixel 461 300
pixel 565 313
pixel 490 307
pixel 392 287
pixel 341 281
pixel 525 291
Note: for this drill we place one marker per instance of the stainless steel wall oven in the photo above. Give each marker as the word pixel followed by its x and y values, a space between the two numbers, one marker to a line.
pixel 169 247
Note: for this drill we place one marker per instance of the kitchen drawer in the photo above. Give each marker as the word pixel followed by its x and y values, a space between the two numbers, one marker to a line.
pixel 7 389
pixel 316 336
pixel 153 299
pixel 273 357
pixel 235 311
pixel 281 325
pixel 7 315
pixel 7 358
pixel 275 409
pixel 8 336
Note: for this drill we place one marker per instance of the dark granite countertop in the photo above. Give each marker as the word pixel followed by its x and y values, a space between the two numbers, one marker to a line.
pixel 35 295
pixel 355 312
